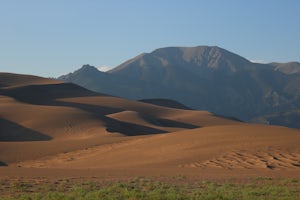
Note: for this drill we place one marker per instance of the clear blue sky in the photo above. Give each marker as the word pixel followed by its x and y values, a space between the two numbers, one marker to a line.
pixel 53 37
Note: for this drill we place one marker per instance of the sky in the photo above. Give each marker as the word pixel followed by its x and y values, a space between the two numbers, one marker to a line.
pixel 54 37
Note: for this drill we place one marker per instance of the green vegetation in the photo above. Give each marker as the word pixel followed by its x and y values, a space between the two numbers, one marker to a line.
pixel 141 188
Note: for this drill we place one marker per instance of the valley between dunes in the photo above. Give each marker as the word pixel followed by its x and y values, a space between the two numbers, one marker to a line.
pixel 51 128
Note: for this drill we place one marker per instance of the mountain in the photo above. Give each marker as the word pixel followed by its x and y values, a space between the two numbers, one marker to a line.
pixel 287 68
pixel 93 79
pixel 288 118
pixel 202 77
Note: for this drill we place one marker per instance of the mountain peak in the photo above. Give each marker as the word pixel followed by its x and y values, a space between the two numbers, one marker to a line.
pixel 85 70
pixel 196 58
pixel 212 57
pixel 88 67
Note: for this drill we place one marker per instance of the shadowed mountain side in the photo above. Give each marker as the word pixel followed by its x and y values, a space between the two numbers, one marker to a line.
pixel 290 118
pixel 287 68
pixel 202 77
pixel 166 103
pixel 12 132
pixel 103 82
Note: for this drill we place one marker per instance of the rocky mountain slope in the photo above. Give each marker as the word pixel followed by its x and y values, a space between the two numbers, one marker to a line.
pixel 202 77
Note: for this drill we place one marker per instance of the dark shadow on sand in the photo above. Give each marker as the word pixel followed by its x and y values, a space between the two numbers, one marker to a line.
pixel 12 132
pixel 167 122
pixel 40 94
pixel 129 129
pixel 228 117
pixel 3 164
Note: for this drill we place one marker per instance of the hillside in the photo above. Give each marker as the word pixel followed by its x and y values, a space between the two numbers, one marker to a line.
pixel 202 77
pixel 287 68
pixel 288 118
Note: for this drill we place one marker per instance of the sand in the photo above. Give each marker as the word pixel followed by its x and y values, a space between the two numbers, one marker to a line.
pixel 50 128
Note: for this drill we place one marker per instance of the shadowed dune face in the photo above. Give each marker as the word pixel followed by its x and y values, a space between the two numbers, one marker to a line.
pixel 10 132
pixel 2 164
pixel 130 129
pixel 39 94
pixel 169 123
pixel 166 125
pixel 166 103
pixel 15 80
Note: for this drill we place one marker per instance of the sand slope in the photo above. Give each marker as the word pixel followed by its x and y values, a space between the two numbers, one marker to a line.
pixel 54 125
pixel 227 147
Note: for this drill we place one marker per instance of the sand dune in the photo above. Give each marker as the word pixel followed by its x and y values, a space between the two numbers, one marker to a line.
pixel 227 147
pixel 54 125
pixel 12 80
pixel 166 125
pixel 271 158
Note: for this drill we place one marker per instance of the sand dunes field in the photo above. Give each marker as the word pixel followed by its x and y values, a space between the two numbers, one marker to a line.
pixel 49 125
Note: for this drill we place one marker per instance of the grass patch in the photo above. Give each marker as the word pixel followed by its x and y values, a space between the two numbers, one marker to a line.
pixel 143 188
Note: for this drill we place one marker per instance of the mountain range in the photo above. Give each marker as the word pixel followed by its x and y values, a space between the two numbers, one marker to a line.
pixel 206 78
